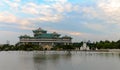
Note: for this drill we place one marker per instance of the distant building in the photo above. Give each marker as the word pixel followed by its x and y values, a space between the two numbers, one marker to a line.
pixel 44 39
pixel 84 47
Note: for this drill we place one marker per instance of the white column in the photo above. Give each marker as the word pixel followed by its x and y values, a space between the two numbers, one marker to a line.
pixel 39 43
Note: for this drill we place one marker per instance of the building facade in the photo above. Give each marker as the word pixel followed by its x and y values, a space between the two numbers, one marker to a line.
pixel 44 39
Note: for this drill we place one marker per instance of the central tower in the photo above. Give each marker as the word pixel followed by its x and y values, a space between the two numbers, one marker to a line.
pixel 38 32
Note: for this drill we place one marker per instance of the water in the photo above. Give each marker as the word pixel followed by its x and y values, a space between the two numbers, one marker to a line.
pixel 53 60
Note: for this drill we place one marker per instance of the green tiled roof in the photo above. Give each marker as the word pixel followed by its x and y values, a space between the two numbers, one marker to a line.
pixel 40 33
pixel 47 36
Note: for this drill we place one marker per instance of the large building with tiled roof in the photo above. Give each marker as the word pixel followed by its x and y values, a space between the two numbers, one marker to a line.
pixel 44 39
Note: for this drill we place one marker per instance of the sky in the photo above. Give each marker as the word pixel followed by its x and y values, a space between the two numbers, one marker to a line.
pixel 93 20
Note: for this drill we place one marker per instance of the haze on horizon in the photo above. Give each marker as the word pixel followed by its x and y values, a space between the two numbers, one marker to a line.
pixel 93 20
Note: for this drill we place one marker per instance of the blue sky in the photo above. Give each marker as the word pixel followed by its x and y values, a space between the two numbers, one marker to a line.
pixel 93 20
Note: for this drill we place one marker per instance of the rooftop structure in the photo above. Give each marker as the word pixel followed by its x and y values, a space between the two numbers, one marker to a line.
pixel 44 39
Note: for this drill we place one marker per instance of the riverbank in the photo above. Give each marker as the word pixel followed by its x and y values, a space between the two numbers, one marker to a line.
pixel 107 50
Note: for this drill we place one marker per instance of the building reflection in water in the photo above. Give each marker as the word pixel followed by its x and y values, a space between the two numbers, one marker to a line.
pixel 50 61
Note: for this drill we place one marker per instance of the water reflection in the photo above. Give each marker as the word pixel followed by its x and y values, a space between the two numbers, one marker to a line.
pixel 76 60
pixel 49 61
pixel 59 60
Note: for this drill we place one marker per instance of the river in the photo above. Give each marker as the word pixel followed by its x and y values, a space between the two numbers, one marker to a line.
pixel 59 60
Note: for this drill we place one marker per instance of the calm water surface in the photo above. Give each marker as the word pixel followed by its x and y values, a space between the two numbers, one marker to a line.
pixel 53 60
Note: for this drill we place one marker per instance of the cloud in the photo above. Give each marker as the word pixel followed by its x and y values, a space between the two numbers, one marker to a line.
pixel 65 32
pixel 12 4
pixel 31 7
pixel 54 11
pixel 60 1
pixel 54 18
pixel 17 0
pixel 96 27
pixel 41 12
pixel 75 33
pixel 102 17
pixel 61 8
pixel 111 10
pixel 6 17
pixel 110 5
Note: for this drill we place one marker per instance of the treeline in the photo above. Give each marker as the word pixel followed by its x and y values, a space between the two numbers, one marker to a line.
pixel 105 44
pixel 26 47
pixel 100 45
pixel 92 45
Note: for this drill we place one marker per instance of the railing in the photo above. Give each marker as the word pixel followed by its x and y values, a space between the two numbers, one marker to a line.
pixel 45 40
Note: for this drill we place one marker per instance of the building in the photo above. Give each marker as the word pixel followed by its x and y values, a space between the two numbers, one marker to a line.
pixel 84 47
pixel 44 39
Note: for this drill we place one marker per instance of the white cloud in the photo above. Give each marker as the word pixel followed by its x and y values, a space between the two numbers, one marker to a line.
pixel 63 8
pixel 54 18
pixel 17 0
pixel 6 17
pixel 75 33
pixel 41 12
pixel 49 12
pixel 97 26
pixel 110 5
pixel 60 1
pixel 12 4
pixel 111 10
pixel 52 10
pixel 30 8
pixel 65 32
pixel 106 12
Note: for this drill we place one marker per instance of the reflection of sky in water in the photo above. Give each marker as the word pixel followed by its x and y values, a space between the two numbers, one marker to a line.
pixel 79 60
pixel 59 60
